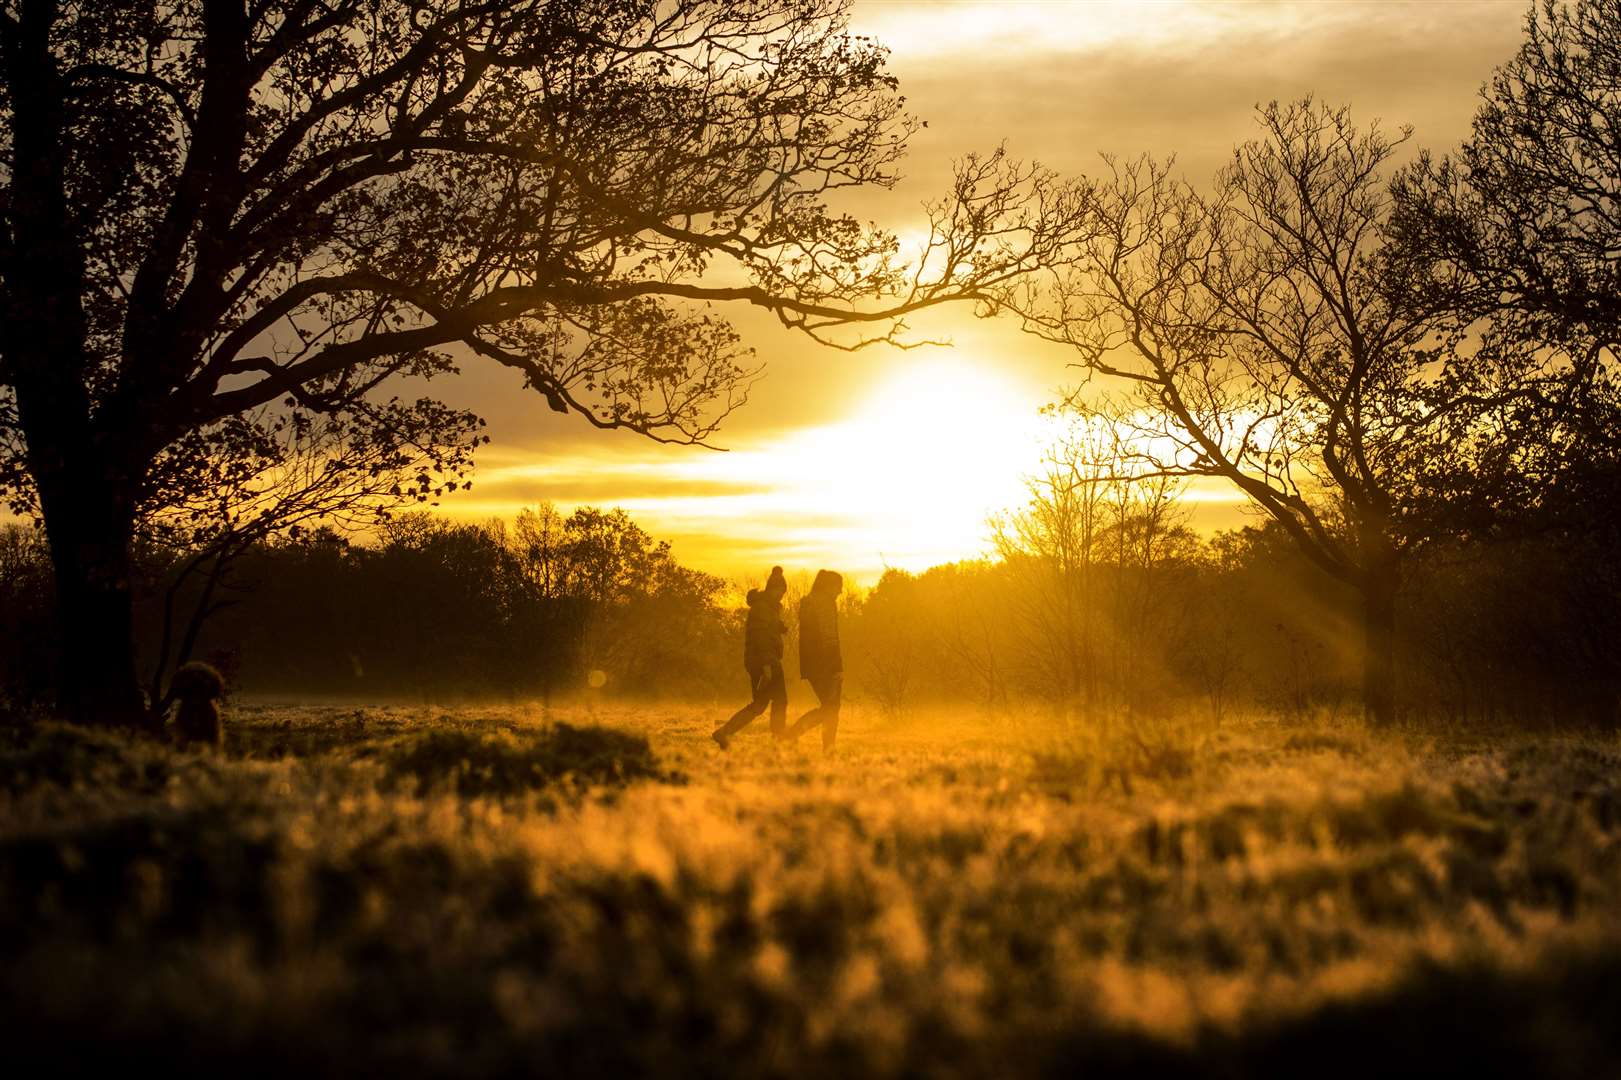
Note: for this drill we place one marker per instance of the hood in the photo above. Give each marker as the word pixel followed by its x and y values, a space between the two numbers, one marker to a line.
pixel 828 582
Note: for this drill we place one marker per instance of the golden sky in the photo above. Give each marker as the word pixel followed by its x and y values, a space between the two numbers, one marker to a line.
pixel 895 458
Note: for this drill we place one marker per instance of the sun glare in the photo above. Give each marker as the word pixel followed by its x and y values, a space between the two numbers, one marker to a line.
pixel 907 479
pixel 934 450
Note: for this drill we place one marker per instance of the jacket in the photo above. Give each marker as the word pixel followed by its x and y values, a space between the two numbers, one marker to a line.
pixel 819 635
pixel 762 633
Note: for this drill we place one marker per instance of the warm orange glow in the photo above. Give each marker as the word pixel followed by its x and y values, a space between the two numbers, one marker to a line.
pixel 905 474
pixel 906 479
pixel 919 466
pixel 930 29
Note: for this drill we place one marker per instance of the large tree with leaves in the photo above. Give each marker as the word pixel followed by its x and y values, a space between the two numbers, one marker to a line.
pixel 214 206
pixel 1522 220
pixel 1519 234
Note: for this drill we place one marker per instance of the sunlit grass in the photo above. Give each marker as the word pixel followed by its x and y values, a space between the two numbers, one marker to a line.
pixel 480 891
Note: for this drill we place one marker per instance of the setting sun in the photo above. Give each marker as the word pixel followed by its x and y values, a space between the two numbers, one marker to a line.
pixel 919 466
pixel 906 478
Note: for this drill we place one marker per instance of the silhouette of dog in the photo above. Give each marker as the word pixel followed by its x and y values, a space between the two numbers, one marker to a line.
pixel 198 687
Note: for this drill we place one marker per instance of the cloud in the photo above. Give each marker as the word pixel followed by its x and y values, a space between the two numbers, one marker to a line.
pixel 1063 81
pixel 948 31
pixel 578 479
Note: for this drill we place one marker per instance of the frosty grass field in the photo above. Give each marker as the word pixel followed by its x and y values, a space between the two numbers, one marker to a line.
pixel 514 890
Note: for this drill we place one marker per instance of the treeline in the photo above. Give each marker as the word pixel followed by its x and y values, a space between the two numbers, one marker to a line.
pixel 1523 631
pixel 1101 601
pixel 1095 605
pixel 427 607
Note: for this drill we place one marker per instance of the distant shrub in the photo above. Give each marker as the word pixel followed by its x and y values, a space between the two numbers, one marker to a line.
pixel 1164 755
pixel 1314 741
pixel 507 763
pixel 1107 756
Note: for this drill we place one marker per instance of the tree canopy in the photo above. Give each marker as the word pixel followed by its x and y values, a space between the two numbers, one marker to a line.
pixel 212 208
pixel 1521 243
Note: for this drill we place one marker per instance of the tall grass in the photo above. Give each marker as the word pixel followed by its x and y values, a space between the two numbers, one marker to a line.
pixel 499 892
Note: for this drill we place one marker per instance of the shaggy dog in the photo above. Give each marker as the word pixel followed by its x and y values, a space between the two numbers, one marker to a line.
pixel 198 687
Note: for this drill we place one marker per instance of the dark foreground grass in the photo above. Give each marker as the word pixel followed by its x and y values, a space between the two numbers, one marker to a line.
pixel 507 892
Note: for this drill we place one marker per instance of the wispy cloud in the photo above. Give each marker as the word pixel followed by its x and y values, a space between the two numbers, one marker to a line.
pixel 964 29
pixel 920 29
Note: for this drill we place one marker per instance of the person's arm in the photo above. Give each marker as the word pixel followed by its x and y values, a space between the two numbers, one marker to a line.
pixel 835 657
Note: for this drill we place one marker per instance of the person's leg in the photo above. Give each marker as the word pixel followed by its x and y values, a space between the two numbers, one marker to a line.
pixel 826 688
pixel 805 723
pixel 830 692
pixel 778 689
pixel 810 719
pixel 760 686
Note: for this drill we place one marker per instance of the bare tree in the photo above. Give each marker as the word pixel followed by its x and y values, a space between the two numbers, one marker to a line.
pixel 1087 550
pixel 1146 524
pixel 209 207
pixel 539 542
pixel 1264 338
pixel 1524 214
pixel 966 636
pixel 1051 546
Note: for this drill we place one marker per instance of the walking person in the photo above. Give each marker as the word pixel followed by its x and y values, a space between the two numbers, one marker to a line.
pixel 819 661
pixel 762 659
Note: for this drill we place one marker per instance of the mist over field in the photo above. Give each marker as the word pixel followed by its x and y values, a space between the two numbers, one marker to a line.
pixel 1093 603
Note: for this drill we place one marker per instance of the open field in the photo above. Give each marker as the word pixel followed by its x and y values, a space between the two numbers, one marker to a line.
pixel 484 892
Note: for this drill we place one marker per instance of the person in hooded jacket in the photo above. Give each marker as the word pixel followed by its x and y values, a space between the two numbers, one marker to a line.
pixel 820 663
pixel 762 659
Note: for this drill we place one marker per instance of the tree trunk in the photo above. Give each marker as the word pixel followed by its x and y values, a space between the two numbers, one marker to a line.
pixel 84 477
pixel 90 526
pixel 1381 579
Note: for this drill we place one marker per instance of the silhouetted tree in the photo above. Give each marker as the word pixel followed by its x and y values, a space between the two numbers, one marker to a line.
pixel 539 544
pixel 211 207
pixel 891 642
pixel 1089 552
pixel 1523 215
pixel 1267 340
pixel 968 617
pixel 1518 238
pixel 1052 547
pixel 428 606
pixel 279 473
